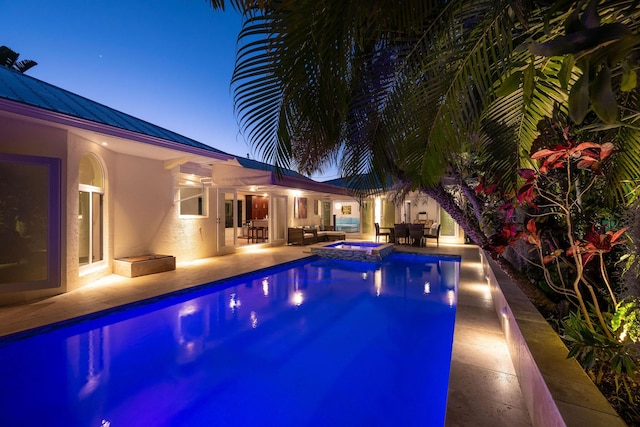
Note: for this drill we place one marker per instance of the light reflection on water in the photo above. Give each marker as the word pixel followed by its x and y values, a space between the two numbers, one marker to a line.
pixel 325 342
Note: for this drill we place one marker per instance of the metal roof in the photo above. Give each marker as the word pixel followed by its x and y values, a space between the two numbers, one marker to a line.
pixel 18 87
pixel 289 178
pixel 361 182
pixel 255 164
pixel 27 90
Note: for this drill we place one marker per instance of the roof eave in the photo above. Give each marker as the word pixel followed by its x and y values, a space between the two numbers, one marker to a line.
pixel 307 184
pixel 88 125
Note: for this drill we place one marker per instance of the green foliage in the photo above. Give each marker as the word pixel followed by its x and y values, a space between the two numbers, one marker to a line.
pixel 602 357
pixel 579 99
pixel 629 78
pixel 626 319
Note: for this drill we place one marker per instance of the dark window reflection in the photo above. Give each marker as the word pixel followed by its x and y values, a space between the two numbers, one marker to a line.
pixel 26 227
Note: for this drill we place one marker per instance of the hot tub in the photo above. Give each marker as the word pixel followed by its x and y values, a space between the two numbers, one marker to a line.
pixel 356 251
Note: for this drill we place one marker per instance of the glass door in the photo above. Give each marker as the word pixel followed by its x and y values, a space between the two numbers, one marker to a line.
pixel 367 219
pixel 278 217
pixel 326 213
pixel 90 225
pixel 388 214
pixel 226 219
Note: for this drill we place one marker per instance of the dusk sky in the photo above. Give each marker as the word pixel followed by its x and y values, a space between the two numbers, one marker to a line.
pixel 168 62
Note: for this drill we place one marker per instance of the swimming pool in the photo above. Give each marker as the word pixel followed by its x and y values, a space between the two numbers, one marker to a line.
pixel 318 342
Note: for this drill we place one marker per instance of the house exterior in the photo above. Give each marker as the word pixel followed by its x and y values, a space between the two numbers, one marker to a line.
pixel 416 207
pixel 82 185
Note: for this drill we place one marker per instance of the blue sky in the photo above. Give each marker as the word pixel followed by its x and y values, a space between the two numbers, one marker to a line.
pixel 165 61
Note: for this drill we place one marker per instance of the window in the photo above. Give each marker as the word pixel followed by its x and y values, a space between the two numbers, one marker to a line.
pixel 30 191
pixel 193 201
pixel 91 211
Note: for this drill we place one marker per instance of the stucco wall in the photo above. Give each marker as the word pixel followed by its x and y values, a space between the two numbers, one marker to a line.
pixel 311 219
pixel 146 219
pixel 33 139
pixel 339 204
pixel 422 203
pixel 78 147
pixel 140 215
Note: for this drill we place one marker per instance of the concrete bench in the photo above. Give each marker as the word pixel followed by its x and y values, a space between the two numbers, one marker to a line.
pixel 142 265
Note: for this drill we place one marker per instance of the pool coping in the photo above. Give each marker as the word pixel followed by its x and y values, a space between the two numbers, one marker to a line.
pixel 557 390
pixel 369 252
pixel 73 320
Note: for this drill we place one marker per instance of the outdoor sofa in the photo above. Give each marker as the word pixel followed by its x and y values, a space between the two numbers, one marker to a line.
pixel 306 236
pixel 300 236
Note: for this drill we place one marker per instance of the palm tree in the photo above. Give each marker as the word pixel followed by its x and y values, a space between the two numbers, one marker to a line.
pixel 320 80
pixel 9 58
pixel 407 88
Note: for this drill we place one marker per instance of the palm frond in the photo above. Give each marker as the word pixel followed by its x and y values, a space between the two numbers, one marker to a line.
pixel 403 89
pixel 25 65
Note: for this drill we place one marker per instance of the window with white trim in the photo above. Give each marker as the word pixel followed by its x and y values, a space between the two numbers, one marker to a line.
pixel 91 211
pixel 193 201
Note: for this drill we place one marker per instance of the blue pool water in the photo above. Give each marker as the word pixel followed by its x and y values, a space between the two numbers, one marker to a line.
pixel 320 342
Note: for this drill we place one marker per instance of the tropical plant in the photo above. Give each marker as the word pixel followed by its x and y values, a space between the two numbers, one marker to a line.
pixel 569 240
pixel 626 319
pixel 403 89
pixel 631 260
pixel 9 58
pixel 605 359
pixel 554 194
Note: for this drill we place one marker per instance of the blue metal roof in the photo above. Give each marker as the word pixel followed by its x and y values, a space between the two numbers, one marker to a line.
pixel 255 164
pixel 290 178
pixel 361 182
pixel 18 87
pixel 24 89
pixel 340 182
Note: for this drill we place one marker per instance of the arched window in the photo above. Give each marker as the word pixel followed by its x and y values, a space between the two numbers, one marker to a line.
pixel 91 211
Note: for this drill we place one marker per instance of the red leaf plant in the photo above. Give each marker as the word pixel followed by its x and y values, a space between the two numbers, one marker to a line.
pixel 597 242
pixel 487 189
pixel 560 197
pixel 588 155
pixel 526 193
pixel 507 237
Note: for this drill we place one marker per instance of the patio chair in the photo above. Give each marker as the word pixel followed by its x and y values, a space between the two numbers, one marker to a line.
pixel 378 233
pixel 433 233
pixel 416 233
pixel 401 232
